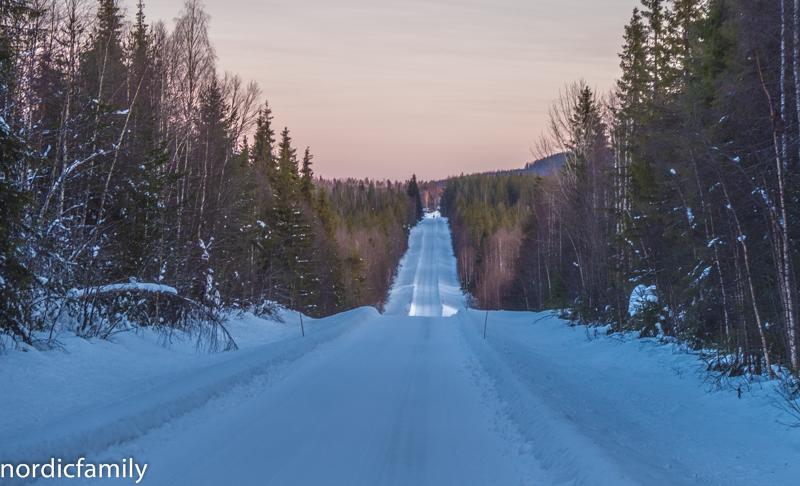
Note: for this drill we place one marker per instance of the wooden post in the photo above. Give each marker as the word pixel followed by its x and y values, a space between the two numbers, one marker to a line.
pixel 485 321
pixel 301 324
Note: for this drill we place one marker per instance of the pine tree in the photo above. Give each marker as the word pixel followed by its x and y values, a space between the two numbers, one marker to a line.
pixel 416 201
pixel 685 13
pixel 103 66
pixel 14 276
pixel 287 180
pixel 307 178
pixel 633 82
pixel 290 235
pixel 658 54
pixel 263 144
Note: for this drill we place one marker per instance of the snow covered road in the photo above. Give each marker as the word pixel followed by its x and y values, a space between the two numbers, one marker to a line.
pixel 393 400
pixel 416 397
pixel 392 404
pixel 426 283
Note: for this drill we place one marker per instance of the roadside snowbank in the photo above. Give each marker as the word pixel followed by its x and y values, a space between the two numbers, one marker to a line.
pixel 70 404
pixel 597 410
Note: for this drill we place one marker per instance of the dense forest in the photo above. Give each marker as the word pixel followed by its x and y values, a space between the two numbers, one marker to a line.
pixel 680 187
pixel 131 195
pixel 487 215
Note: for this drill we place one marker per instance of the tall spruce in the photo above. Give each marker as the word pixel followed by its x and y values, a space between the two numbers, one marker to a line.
pixel 416 200
pixel 261 152
pixel 307 178
pixel 15 278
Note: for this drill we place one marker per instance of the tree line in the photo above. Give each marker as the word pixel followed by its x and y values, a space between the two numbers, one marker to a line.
pixel 681 184
pixel 132 196
pixel 487 213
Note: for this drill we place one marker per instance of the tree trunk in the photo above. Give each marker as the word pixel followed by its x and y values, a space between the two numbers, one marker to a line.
pixel 782 241
pixel 749 277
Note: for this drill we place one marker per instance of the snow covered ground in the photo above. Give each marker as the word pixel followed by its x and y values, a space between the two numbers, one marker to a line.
pixel 414 396
pixel 606 410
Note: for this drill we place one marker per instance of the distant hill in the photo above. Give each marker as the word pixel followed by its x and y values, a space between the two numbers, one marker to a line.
pixel 542 167
pixel 431 191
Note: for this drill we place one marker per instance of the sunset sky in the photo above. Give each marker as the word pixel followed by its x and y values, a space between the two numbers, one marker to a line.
pixel 384 89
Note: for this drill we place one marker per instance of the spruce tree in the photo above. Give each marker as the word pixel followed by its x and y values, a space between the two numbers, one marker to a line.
pixel 307 178
pixel 289 235
pixel 287 180
pixel 140 43
pixel 685 13
pixel 15 278
pixel 325 213
pixel 415 200
pixel 635 91
pixel 135 207
pixel 584 127
pixel 261 152
pixel 633 82
pixel 655 12
pixel 103 65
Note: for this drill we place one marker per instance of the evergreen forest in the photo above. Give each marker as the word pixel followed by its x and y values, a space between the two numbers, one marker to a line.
pixel 132 196
pixel 676 212
pixel 140 187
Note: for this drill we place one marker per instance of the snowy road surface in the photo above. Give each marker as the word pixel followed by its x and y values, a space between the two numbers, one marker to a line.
pixel 393 404
pixel 411 397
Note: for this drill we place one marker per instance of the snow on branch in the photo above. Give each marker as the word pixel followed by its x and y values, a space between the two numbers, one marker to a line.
pixel 125 287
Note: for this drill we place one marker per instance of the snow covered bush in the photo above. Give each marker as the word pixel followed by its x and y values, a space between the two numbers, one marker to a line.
pixel 644 311
pixel 100 312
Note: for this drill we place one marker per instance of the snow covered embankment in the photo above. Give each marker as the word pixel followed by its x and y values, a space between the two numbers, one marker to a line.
pixel 600 410
pixel 85 420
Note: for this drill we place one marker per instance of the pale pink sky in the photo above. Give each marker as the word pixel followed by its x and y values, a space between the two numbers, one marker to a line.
pixel 387 88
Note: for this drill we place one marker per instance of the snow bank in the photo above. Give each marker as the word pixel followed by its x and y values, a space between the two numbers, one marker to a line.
pixel 555 442
pixel 600 411
pixel 97 420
